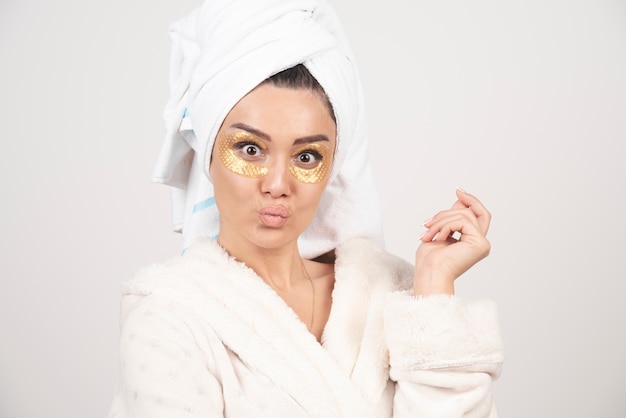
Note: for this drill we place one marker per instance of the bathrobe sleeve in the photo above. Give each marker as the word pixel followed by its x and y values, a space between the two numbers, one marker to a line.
pixel 444 354
pixel 164 372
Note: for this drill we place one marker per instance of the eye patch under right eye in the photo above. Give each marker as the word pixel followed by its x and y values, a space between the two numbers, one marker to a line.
pixel 227 150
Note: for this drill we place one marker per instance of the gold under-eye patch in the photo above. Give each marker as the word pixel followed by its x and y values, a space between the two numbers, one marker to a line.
pixel 228 149
pixel 313 174
pixel 231 149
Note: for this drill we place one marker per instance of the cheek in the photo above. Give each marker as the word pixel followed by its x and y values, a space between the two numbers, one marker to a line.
pixel 227 197
pixel 232 189
pixel 311 196
pixel 225 182
pixel 222 180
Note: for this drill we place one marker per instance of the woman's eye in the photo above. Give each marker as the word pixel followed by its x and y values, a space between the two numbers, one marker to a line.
pixel 249 149
pixel 309 159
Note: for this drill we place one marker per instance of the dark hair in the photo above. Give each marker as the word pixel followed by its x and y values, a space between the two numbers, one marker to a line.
pixel 299 77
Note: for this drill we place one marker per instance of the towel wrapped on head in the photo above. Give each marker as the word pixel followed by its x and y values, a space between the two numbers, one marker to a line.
pixel 223 50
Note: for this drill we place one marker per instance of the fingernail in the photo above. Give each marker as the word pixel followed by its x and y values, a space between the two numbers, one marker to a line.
pixel 435 237
pixel 425 222
pixel 422 235
pixel 461 190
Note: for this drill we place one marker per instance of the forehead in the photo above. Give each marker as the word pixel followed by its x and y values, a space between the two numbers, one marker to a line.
pixel 283 112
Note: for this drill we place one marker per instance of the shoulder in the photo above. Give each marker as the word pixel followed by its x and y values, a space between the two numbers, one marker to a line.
pixel 178 280
pixel 371 262
pixel 179 271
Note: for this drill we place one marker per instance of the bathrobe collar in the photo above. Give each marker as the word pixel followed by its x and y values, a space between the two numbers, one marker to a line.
pixel 254 322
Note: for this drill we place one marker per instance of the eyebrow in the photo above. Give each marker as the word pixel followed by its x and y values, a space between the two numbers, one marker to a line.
pixel 304 140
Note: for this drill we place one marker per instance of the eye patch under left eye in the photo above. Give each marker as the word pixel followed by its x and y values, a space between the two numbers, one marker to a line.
pixel 317 173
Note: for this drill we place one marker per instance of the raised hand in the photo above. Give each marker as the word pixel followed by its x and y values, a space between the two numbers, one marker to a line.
pixel 454 241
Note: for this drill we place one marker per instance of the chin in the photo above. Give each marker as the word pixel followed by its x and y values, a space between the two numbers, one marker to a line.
pixel 270 238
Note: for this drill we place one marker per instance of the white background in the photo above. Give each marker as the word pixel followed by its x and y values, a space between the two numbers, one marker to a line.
pixel 522 103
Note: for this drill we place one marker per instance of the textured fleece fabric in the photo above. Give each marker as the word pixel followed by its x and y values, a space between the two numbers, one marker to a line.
pixel 203 336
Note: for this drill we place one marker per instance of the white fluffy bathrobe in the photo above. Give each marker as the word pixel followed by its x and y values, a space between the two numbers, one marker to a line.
pixel 203 336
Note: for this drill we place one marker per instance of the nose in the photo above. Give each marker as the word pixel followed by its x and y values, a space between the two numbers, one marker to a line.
pixel 277 181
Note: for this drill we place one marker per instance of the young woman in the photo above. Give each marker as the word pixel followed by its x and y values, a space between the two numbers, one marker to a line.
pixel 284 303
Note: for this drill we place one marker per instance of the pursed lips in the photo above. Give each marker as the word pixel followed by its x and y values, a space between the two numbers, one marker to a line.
pixel 273 216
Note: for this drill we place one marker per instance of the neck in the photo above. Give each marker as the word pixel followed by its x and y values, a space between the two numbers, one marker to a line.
pixel 280 267
pixel 283 270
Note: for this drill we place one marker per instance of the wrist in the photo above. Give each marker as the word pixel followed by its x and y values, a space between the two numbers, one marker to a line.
pixel 426 283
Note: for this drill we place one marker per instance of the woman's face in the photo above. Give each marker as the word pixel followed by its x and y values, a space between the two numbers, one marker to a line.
pixel 270 164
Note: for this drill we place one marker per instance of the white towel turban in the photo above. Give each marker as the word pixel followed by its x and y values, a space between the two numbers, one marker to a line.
pixel 223 50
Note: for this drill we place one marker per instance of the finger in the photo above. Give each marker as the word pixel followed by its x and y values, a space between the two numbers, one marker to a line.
pixel 457 230
pixel 470 201
pixel 445 224
pixel 462 222
pixel 444 214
